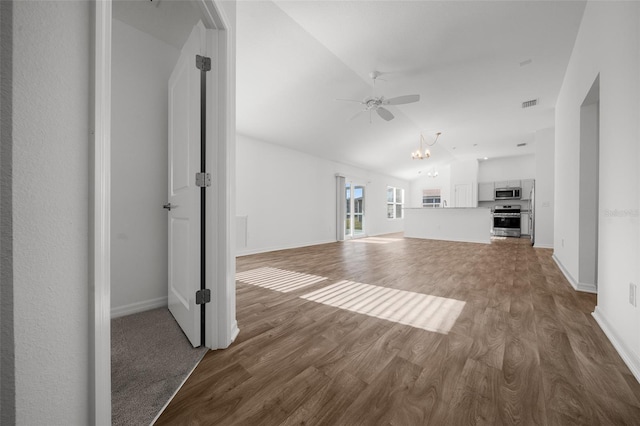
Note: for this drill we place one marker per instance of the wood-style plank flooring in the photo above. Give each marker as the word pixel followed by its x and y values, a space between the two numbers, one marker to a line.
pixel 525 349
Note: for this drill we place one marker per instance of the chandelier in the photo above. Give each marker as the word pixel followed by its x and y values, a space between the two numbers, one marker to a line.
pixel 420 154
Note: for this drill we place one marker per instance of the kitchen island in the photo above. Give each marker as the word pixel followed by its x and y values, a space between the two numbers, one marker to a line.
pixel 466 224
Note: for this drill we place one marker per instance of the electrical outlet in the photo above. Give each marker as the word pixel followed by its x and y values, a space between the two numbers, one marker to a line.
pixel 632 294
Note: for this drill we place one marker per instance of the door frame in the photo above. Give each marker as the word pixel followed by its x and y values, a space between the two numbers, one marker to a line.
pixel 222 326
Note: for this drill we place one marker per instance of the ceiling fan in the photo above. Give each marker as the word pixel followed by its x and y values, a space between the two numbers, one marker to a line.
pixel 375 103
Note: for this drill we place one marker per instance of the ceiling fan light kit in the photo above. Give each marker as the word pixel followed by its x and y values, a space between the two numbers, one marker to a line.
pixel 426 154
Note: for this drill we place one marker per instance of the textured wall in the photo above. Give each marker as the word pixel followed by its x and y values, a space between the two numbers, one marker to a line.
pixel 7 343
pixel 50 211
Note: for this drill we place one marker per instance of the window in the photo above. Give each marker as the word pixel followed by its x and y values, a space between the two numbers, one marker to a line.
pixel 395 201
pixel 431 198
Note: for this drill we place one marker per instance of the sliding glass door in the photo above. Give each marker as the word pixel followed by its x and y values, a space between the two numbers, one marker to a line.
pixel 354 223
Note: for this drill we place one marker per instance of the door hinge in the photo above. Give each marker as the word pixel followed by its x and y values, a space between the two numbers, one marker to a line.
pixel 203 63
pixel 203 179
pixel 203 296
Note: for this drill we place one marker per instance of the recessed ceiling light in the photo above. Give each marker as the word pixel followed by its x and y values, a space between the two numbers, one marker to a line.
pixel 486 158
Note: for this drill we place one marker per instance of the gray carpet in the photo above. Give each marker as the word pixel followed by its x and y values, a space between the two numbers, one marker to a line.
pixel 150 357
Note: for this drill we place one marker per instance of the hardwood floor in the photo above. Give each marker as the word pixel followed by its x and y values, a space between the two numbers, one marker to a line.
pixel 524 350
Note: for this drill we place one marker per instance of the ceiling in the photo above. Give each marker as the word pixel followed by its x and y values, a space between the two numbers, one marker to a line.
pixel 168 20
pixel 473 64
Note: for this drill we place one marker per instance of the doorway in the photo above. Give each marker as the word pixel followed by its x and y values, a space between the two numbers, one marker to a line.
pixel 222 328
pixel 589 190
pixel 354 203
pixel 143 64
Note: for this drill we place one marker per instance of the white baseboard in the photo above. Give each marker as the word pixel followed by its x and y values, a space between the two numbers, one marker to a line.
pixel 134 308
pixel 587 288
pixel 455 240
pixel 627 354
pixel 543 246
pixel 578 286
pixel 234 331
pixel 240 253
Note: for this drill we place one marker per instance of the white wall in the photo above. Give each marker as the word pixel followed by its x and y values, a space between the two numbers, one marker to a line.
pixel 588 217
pixel 507 168
pixel 51 80
pixel 544 175
pixel 465 172
pixel 441 182
pixel 608 45
pixel 141 66
pixel 289 198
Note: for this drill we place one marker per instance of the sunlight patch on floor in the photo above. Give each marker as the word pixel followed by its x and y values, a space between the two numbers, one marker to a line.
pixel 431 313
pixel 278 279
pixel 375 240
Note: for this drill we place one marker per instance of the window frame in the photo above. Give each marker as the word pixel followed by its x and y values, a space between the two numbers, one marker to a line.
pixel 433 194
pixel 393 203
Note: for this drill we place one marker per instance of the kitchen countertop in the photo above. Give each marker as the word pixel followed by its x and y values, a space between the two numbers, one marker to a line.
pixel 447 208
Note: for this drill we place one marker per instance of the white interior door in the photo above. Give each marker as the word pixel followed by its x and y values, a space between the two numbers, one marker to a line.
pixel 184 195
pixel 463 195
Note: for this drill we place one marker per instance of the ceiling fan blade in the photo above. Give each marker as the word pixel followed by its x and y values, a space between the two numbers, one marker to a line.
pixel 350 100
pixel 398 100
pixel 357 114
pixel 384 113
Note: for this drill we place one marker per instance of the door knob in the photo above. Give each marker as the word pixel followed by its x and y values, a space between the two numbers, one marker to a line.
pixel 168 206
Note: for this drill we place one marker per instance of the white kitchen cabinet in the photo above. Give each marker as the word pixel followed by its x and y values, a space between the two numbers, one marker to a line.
pixel 524 223
pixel 527 186
pixel 486 191
pixel 508 184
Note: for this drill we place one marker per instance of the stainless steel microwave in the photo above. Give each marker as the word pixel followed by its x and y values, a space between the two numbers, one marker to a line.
pixel 508 193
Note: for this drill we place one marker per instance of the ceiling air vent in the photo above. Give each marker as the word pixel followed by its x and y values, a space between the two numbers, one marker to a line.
pixel 530 103
pixel 522 144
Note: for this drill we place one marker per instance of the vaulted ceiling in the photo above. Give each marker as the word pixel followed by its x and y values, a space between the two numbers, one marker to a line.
pixel 473 64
